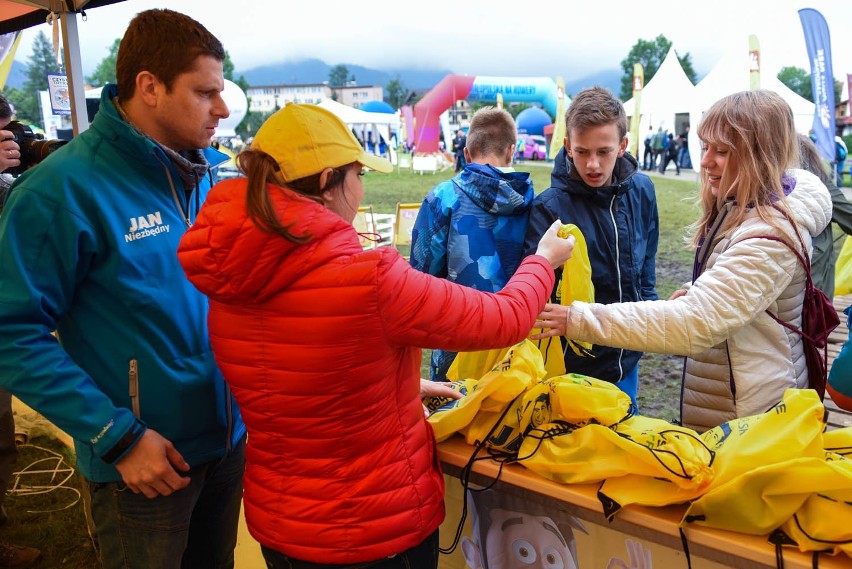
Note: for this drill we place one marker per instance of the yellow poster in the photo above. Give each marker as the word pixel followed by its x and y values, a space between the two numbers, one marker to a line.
pixel 753 62
pixel 638 83
pixel 559 123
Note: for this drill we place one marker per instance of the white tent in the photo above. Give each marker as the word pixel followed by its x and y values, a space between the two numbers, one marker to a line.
pixel 385 123
pixel 237 103
pixel 667 94
pixel 731 75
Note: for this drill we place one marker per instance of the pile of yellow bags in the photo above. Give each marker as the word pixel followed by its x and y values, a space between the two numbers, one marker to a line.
pixel 774 471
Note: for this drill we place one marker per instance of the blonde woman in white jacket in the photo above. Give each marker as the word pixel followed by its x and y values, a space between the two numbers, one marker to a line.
pixel 739 361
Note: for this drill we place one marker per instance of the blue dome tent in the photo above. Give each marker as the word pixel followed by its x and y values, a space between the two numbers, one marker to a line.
pixel 377 107
pixel 532 121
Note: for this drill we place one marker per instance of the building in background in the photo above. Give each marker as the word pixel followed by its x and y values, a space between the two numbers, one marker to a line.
pixel 266 98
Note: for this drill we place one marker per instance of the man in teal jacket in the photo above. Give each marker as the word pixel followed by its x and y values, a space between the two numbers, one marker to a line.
pixel 87 245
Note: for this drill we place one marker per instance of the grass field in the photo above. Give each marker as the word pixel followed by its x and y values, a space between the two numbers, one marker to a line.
pixel 46 521
pixel 45 510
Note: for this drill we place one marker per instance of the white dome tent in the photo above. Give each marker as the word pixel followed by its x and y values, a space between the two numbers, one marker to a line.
pixel 237 103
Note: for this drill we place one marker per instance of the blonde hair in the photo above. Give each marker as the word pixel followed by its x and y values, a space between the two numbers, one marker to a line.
pixel 492 132
pixel 758 128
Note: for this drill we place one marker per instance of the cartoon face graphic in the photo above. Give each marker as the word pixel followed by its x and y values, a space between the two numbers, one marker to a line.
pixel 522 541
pixel 517 540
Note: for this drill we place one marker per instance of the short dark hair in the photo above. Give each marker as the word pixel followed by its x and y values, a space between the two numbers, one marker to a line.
pixel 595 106
pixel 165 43
pixel 492 131
pixel 5 108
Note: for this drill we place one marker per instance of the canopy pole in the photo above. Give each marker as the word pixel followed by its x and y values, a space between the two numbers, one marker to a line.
pixel 74 71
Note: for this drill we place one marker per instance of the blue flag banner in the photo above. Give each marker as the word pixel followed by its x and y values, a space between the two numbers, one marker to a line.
pixel 822 79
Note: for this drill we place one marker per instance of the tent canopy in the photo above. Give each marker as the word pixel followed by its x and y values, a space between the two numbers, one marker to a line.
pixel 668 92
pixel 17 15
pixel 731 74
pixel 363 122
pixel 353 116
pixel 21 14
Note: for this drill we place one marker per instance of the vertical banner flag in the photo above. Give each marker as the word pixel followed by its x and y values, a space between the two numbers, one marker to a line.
pixel 8 45
pixel 822 80
pixel 638 83
pixel 558 139
pixel 753 63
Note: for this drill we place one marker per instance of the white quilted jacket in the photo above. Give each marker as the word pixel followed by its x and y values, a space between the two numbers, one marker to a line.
pixel 739 360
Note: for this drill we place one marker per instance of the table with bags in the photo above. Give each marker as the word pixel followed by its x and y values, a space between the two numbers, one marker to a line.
pixel 559 469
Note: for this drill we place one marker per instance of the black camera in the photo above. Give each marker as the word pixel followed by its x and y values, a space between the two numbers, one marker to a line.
pixel 34 147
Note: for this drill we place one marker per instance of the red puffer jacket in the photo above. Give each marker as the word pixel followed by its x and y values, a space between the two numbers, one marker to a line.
pixel 321 345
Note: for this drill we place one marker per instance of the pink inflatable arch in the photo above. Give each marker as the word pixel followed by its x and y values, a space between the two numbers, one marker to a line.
pixel 428 110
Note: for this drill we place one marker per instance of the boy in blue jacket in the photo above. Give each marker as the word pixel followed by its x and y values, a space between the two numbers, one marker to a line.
pixel 87 245
pixel 596 184
pixel 470 229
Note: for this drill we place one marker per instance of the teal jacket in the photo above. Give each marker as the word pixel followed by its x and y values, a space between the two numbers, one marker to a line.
pixel 88 242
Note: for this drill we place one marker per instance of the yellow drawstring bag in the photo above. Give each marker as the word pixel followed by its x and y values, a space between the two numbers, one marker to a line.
pixel 474 364
pixel 499 422
pixel 763 465
pixel 586 441
pixel 821 524
pixel 684 455
pixel 843 269
pixel 515 371
pixel 542 402
pixel 575 284
pixel 791 429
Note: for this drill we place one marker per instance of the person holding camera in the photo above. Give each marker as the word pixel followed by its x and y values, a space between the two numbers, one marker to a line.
pixel 10 152
pixel 87 246
pixel 11 555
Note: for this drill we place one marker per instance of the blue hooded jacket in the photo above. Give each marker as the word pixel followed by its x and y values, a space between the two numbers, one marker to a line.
pixel 87 245
pixel 470 230
pixel 621 227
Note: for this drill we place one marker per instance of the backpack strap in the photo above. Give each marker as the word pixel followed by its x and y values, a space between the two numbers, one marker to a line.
pixel 806 263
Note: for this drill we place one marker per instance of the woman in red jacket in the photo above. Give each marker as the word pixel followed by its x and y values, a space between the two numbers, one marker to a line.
pixel 320 342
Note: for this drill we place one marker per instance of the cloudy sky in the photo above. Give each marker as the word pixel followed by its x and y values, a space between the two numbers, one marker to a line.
pixel 539 38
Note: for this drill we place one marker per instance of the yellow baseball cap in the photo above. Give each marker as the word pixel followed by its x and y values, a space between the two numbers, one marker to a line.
pixel 306 139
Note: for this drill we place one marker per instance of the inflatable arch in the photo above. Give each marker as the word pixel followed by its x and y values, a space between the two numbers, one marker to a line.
pixel 427 111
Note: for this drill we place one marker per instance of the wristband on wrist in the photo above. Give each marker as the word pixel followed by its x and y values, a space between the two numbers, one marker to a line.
pixel 124 443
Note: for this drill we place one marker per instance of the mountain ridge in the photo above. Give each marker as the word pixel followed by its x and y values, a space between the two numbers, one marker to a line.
pixel 315 71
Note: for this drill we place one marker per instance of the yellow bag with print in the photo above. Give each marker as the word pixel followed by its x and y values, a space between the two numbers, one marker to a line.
pixel 843 269
pixel 588 439
pixel 498 422
pixel 545 400
pixel 763 466
pixel 575 284
pixel 474 364
pixel 515 371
